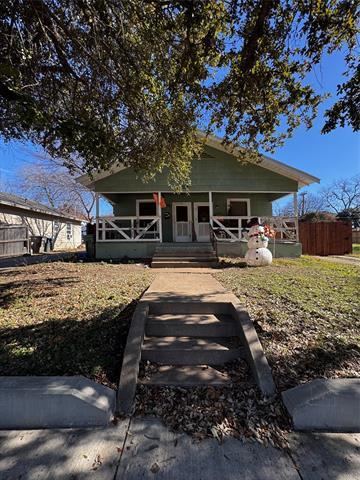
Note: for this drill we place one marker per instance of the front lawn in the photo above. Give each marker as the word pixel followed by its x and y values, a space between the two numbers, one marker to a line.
pixel 307 314
pixel 67 318
pixel 355 250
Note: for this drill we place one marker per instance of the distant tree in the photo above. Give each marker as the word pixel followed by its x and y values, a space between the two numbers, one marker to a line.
pixel 307 203
pixel 342 195
pixel 53 185
pixel 352 214
pixel 318 217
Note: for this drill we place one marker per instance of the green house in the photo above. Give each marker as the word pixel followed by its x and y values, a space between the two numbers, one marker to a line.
pixel 224 195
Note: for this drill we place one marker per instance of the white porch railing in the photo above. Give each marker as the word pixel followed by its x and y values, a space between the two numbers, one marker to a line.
pixel 234 229
pixel 287 228
pixel 230 228
pixel 127 229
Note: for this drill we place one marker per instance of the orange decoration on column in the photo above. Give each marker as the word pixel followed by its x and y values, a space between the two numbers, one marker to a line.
pixel 162 200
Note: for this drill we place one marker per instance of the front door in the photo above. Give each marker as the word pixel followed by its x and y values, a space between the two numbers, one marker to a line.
pixel 202 221
pixel 182 225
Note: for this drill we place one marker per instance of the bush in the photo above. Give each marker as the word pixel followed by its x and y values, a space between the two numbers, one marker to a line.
pixel 318 217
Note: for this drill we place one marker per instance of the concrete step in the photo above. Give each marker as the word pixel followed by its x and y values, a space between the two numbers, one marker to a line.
pixel 182 253
pixel 189 306
pixel 186 248
pixel 182 264
pixel 191 325
pixel 184 245
pixel 191 351
pixel 181 258
pixel 189 376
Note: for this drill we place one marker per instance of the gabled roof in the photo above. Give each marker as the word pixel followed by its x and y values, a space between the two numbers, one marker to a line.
pixel 15 201
pixel 281 168
pixel 213 141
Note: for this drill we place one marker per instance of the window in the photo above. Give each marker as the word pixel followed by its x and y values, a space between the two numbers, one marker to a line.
pixel 182 213
pixel 203 214
pixel 56 227
pixel 69 231
pixel 238 207
pixel 146 208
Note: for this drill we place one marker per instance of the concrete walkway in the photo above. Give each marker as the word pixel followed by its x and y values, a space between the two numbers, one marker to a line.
pixel 187 287
pixel 145 449
pixel 345 259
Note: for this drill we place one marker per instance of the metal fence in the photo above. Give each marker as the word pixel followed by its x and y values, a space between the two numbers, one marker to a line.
pixel 14 240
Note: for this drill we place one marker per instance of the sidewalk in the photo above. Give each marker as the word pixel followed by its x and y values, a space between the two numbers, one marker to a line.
pixel 148 450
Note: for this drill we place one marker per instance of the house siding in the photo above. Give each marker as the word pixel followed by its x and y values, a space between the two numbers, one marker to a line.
pixel 221 172
pixel 41 225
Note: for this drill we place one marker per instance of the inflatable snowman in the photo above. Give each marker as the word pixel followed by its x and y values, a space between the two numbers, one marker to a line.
pixel 258 255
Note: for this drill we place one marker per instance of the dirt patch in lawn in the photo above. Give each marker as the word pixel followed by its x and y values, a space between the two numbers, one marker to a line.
pixel 67 318
pixel 307 315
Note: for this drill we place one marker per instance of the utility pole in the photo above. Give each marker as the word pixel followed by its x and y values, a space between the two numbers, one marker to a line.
pixel 302 203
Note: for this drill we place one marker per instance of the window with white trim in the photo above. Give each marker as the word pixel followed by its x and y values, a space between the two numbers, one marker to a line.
pixel 56 227
pixel 69 231
pixel 146 208
pixel 238 207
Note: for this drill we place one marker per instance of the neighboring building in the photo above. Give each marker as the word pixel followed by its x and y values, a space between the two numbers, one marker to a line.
pixel 64 230
pixel 223 196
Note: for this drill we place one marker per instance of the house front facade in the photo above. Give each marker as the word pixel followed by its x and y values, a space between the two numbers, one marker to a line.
pixel 224 195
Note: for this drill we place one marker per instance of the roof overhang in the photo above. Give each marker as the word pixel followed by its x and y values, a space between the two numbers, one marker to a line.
pixel 213 141
pixel 281 168
pixel 48 213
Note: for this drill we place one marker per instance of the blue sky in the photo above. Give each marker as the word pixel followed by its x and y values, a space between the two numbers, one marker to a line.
pixel 329 157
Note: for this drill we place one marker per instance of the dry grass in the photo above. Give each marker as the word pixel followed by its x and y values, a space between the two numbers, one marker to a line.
pixel 67 318
pixel 307 314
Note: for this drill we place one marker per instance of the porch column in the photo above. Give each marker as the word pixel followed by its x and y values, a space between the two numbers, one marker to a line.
pixel 296 214
pixel 96 205
pixel 211 209
pixel 160 216
pixel 97 208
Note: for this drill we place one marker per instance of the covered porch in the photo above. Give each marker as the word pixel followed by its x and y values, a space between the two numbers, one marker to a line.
pixel 142 220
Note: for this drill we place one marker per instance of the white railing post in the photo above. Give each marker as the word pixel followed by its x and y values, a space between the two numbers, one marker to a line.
pixel 160 217
pixel 211 208
pixel 103 224
pixel 296 215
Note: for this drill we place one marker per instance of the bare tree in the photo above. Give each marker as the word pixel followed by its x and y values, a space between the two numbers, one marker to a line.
pixel 343 194
pixel 50 183
pixel 307 203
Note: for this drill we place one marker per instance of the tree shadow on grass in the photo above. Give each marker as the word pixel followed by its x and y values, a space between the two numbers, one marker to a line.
pixel 331 360
pixel 39 287
pixel 90 347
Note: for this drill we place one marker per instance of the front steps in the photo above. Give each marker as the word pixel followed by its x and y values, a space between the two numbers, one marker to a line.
pixel 190 351
pixel 190 347
pixel 184 255
pixel 190 328
pixel 190 325
pixel 189 376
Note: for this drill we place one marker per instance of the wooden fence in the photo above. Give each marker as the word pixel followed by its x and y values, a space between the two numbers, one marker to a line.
pixel 14 240
pixel 326 238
